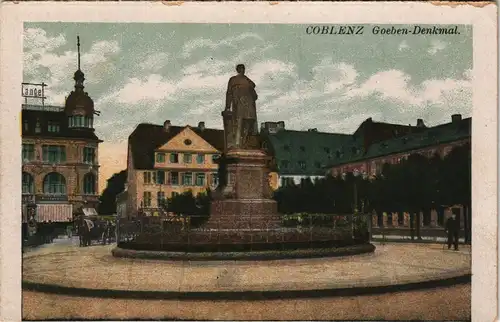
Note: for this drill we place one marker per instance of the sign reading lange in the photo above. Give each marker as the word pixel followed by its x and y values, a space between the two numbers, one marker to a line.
pixel 33 90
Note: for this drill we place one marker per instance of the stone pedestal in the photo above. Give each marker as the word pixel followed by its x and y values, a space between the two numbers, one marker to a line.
pixel 243 199
pixel 374 220
pixel 384 219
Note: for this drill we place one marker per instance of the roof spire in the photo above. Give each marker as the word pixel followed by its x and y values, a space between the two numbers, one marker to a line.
pixel 78 44
pixel 79 75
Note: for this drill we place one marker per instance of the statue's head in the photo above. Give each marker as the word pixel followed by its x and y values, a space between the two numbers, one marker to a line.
pixel 240 68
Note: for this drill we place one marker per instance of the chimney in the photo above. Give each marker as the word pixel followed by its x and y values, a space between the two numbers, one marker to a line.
pixel 456 118
pixel 420 123
pixel 166 125
pixel 201 126
pixel 270 127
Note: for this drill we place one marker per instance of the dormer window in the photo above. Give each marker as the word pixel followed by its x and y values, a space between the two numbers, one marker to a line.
pixel 81 121
pixel 53 127
pixel 38 128
pixel 25 125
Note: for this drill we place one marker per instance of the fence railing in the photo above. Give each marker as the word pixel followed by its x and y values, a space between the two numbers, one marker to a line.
pixel 296 230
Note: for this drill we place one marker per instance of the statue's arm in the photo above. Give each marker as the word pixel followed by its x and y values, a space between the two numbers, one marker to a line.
pixel 229 94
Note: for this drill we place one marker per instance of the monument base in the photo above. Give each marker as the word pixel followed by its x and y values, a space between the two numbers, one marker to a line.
pixel 243 214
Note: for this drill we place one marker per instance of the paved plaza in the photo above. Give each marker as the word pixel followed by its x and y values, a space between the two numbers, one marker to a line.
pixel 99 280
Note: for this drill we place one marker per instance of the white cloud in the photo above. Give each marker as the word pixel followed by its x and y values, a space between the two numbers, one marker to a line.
pixel 36 40
pixel 42 61
pixel 199 43
pixel 436 46
pixel 154 62
pixel 395 85
pixel 403 46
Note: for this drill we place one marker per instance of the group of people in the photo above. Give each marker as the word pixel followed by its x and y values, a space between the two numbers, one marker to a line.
pixel 89 230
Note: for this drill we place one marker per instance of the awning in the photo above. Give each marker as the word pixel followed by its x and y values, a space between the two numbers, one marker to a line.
pixel 89 212
pixel 54 212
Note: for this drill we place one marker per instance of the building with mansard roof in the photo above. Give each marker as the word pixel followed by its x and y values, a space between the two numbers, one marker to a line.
pixel 300 155
pixel 60 156
pixel 440 139
pixel 164 160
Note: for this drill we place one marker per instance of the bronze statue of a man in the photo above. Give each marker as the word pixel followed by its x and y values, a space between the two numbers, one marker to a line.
pixel 240 100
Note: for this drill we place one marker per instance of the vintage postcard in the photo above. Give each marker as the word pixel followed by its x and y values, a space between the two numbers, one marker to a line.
pixel 248 161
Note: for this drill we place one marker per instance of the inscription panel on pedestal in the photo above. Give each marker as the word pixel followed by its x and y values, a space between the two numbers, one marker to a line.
pixel 249 184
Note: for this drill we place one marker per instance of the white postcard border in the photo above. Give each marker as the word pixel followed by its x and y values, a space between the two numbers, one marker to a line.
pixel 484 137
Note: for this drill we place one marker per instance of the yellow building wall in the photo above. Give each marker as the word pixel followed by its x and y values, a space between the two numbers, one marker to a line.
pixel 177 145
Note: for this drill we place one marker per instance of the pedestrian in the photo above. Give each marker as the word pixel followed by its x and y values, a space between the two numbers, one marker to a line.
pixel 452 229
pixel 69 231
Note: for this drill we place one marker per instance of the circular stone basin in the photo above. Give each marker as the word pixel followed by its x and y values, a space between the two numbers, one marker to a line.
pixel 249 255
pixel 230 244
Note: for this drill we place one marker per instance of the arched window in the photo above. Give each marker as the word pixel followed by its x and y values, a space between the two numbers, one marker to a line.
pixel 54 183
pixel 28 184
pixel 89 184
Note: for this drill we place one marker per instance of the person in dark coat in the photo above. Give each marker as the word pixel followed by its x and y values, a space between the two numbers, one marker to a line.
pixel 452 228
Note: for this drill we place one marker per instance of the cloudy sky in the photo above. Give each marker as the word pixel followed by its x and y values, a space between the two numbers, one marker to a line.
pixel 152 72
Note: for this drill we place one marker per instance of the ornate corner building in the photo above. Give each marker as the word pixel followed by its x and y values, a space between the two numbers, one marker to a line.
pixel 59 153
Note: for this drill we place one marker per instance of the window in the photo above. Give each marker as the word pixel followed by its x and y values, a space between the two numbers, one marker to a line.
pixel 160 157
pixel 200 179
pixel 302 165
pixel 188 158
pixel 54 153
pixel 302 148
pixel 53 127
pixel 187 179
pixel 200 158
pixel 214 157
pixel 89 184
pixel 147 199
pixel 160 198
pixel 160 177
pixel 284 164
pixel 174 178
pixel 147 177
pixel 174 158
pixel 26 126
pixel 28 184
pixel 81 121
pixel 38 128
pixel 337 154
pixel 215 179
pixel 28 152
pixel 88 155
pixel 54 183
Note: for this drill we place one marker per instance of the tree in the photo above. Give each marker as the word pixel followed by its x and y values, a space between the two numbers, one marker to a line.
pixel 456 184
pixel 115 185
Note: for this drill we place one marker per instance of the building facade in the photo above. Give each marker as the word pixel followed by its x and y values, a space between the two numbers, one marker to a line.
pixel 60 157
pixel 300 155
pixel 427 141
pixel 163 161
